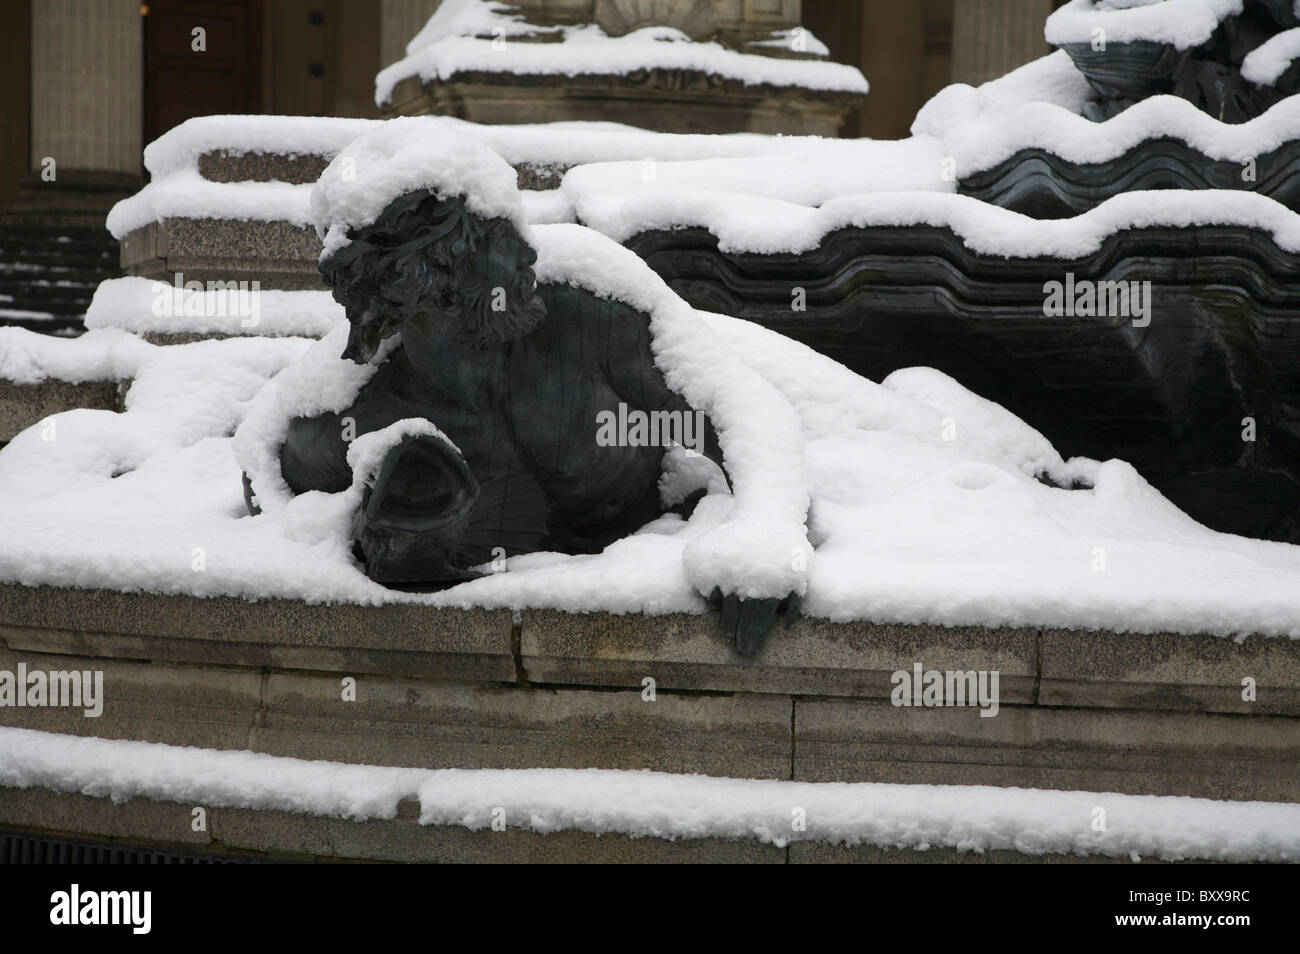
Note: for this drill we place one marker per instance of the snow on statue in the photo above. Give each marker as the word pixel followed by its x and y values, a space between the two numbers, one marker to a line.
pixel 482 414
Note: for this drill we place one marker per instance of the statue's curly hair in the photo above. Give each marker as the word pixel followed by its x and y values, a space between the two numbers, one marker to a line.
pixel 422 251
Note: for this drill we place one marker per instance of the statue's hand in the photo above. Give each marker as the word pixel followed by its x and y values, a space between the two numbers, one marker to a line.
pixel 747 622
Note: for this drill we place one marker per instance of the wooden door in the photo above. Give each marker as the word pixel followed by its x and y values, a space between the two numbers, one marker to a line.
pixel 201 58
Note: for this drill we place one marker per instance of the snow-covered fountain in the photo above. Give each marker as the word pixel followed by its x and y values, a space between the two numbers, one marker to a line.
pixel 1107 247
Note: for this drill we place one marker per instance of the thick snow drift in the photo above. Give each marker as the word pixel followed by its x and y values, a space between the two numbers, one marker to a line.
pixel 925 507
pixel 923 502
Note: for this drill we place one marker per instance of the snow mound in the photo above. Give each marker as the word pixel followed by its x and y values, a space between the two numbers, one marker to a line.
pixel 180 147
pixel 483 36
pixel 1179 23
pixel 184 194
pixel 997 135
pixel 144 305
pixel 404 155
pixel 1052 79
pixel 745 223
pixel 27 357
pixel 926 504
pixel 1265 64
pixel 808 173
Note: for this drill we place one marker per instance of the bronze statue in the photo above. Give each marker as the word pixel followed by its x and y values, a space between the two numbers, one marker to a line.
pixel 517 376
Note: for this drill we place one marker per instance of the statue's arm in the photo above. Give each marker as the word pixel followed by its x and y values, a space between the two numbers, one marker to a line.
pixel 635 377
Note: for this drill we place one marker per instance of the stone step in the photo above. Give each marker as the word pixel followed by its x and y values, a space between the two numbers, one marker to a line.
pixel 22 405
pixel 14 245
pixel 1082 711
pixel 234 834
pixel 56 258
pixel 53 270
pixel 223 166
pixel 42 273
pixel 63 326
pixel 67 238
pixel 68 307
pixel 51 286
pixel 47 297
pixel 279 255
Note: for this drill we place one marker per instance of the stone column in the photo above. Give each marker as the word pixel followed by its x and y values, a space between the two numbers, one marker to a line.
pixel 992 37
pixel 893 57
pixel 399 21
pixel 87 85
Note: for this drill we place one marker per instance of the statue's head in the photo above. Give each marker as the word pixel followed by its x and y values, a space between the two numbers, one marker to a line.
pixel 430 265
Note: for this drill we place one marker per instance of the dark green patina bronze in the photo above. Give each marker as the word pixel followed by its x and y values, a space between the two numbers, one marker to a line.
pixel 515 374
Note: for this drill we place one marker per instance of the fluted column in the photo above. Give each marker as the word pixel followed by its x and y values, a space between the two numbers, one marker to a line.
pixel 399 21
pixel 992 37
pixel 87 84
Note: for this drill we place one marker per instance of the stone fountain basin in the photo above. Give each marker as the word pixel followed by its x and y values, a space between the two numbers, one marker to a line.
pixel 1169 397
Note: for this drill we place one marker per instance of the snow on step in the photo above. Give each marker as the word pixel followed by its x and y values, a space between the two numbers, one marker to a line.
pixel 662 805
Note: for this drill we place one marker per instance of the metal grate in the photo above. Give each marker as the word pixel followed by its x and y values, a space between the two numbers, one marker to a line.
pixel 17 848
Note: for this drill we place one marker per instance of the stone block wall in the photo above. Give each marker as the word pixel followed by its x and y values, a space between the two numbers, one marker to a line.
pixel 1078 710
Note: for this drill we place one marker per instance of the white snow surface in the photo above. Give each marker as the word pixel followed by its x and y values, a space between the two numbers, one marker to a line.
pixel 661 805
pixel 807 173
pixel 908 527
pixel 1181 23
pixel 1268 61
pixel 178 190
pixel 478 35
pixel 550 207
pixel 802 169
pixel 563 144
pixel 1040 105
pixel 186 194
pixel 997 135
pixel 744 223
pixel 567 144
pixel 1049 79
pixel 99 355
pixel 180 147
pixel 788 200
pixel 143 305
pixel 403 155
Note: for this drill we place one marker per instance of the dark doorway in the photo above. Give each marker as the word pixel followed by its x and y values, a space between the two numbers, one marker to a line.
pixel 191 73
